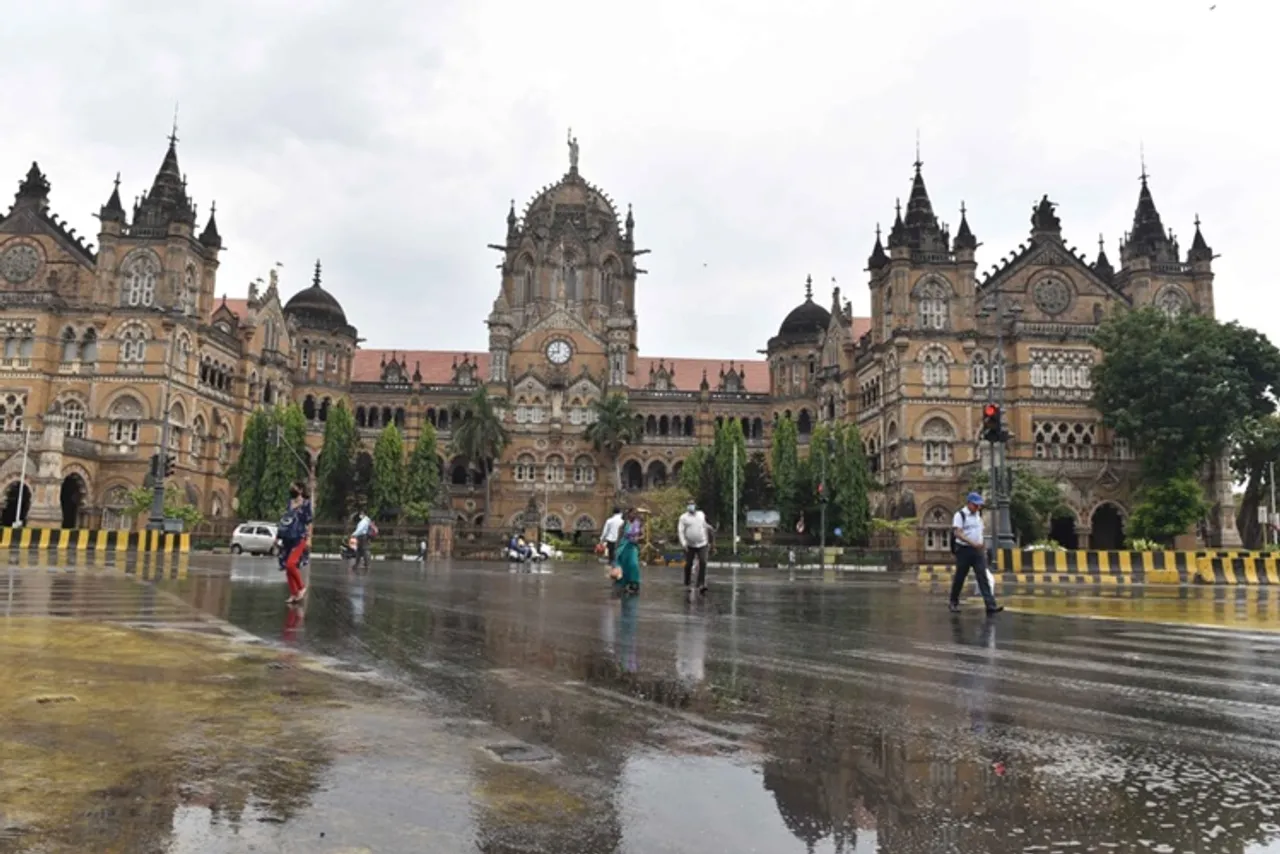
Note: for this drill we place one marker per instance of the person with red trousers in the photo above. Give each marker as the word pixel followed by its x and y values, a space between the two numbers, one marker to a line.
pixel 295 539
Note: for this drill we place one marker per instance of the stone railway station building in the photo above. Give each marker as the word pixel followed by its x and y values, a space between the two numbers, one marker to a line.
pixel 93 337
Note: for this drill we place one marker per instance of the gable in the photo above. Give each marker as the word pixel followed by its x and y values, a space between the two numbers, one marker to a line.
pixel 558 320
pixel 1052 284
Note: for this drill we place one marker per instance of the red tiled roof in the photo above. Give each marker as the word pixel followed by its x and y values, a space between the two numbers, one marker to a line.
pixel 861 326
pixel 688 372
pixel 238 307
pixel 436 365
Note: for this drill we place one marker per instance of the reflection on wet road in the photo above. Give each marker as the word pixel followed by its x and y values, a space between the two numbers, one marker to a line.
pixel 515 712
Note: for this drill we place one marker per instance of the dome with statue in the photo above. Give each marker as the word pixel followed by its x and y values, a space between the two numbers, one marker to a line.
pixel 570 208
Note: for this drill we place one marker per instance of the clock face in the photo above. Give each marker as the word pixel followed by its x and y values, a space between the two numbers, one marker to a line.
pixel 559 351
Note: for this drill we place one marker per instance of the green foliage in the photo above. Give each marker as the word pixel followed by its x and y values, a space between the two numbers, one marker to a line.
pixel 479 438
pixel 388 473
pixel 757 484
pixel 1255 446
pixel 786 472
pixel 422 481
pixel 272 455
pixel 417 512
pixel 900 527
pixel 1179 389
pixel 837 459
pixel 1165 510
pixel 175 505
pixel 335 469
pixel 698 478
pixel 1034 502
pixel 361 481
pixel 728 442
pixel 1141 545
pixel 665 506
pixel 615 426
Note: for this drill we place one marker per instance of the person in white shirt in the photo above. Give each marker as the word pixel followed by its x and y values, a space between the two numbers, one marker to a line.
pixel 971 553
pixel 609 536
pixel 693 531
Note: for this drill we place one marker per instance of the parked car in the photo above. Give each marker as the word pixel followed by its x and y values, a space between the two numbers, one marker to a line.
pixel 257 538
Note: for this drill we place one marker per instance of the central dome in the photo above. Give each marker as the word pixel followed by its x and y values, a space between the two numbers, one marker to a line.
pixel 805 320
pixel 316 308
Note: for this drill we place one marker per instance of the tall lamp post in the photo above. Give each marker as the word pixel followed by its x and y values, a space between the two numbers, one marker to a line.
pixel 1001 536
pixel 822 501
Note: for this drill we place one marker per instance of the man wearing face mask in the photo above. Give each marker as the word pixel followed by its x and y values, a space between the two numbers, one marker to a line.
pixel 695 538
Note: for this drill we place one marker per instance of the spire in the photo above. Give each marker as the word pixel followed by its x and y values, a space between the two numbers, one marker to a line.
pixel 34 189
pixel 919 208
pixel 1147 238
pixel 511 222
pixel 1102 267
pixel 210 237
pixel 964 237
pixel 113 210
pixel 878 259
pixel 167 200
pixel 315 279
pixel 898 234
pixel 808 288
pixel 630 224
pixel 1200 250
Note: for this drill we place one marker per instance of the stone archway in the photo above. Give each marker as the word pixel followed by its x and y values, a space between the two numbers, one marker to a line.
pixel 1106 528
pixel 72 496
pixel 1062 530
pixel 9 514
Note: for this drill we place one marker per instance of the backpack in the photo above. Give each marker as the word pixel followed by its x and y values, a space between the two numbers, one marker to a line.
pixel 373 529
pixel 291 528
pixel 955 544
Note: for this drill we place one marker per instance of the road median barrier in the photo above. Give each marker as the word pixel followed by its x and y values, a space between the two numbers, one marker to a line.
pixel 99 542
pixel 1255 569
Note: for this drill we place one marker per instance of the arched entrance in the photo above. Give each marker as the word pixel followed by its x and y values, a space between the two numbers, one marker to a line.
pixel 1107 525
pixel 1062 530
pixel 10 513
pixel 73 494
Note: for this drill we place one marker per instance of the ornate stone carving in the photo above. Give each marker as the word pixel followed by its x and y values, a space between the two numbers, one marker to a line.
pixel 19 263
pixel 1052 296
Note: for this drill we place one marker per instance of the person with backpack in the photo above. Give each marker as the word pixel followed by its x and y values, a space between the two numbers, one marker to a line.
pixel 295 539
pixel 970 549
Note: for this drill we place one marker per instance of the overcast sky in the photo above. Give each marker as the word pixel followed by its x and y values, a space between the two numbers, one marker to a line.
pixel 759 142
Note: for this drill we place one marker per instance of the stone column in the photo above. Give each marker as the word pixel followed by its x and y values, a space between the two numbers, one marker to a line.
pixel 46 483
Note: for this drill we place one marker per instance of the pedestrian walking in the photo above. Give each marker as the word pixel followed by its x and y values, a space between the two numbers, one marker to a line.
pixel 295 539
pixel 422 550
pixel 694 533
pixel 628 558
pixel 610 534
pixel 970 551
pixel 364 531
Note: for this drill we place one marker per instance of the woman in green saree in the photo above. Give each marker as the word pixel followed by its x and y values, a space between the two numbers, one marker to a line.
pixel 629 553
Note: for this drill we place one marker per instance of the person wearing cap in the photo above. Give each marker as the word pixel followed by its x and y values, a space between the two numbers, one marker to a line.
pixel 694 538
pixel 970 550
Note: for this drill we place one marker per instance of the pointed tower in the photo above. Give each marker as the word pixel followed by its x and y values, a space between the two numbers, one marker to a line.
pixel 210 237
pixel 166 204
pixel 33 191
pixel 1102 266
pixel 1147 239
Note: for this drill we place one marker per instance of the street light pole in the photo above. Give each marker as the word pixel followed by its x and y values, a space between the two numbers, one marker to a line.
pixel 1001 524
pixel 156 521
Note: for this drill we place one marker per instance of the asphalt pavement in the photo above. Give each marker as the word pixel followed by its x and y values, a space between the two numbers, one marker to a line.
pixel 459 707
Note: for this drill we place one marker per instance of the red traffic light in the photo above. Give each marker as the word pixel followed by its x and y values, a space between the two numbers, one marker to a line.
pixel 991 410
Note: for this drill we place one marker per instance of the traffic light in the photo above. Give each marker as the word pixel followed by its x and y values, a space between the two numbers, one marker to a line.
pixel 169 462
pixel 822 493
pixel 992 423
pixel 154 469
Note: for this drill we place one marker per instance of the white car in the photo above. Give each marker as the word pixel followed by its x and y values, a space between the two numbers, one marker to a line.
pixel 254 538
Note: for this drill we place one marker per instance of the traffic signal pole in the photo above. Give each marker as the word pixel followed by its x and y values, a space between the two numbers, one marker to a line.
pixel 1001 536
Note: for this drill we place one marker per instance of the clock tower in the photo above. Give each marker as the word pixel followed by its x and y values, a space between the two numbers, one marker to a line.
pixel 562 335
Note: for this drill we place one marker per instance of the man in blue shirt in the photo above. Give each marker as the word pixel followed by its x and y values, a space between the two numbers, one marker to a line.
pixel 970 551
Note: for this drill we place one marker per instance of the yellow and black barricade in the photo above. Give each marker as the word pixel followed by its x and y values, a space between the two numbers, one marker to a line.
pixel 101 543
pixel 1239 570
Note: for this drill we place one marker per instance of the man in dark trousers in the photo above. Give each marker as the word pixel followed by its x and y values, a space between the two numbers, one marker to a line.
pixel 971 553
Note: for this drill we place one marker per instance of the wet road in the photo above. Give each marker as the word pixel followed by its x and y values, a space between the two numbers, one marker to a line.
pixel 484 710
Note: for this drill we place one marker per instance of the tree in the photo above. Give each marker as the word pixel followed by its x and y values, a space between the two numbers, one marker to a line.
pixel 698 478
pixel 850 484
pixel 175 505
pixel 615 426
pixel 249 467
pixel 388 473
pixel 286 456
pixel 665 506
pixel 786 472
pixel 422 480
pixel 1034 502
pixel 729 455
pixel 1165 510
pixel 480 439
pixel 757 485
pixel 1179 388
pixel 1256 447
pixel 335 469
pixel 362 480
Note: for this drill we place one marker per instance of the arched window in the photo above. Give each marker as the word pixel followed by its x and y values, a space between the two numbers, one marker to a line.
pixel 133 345
pixel 804 424
pixel 70 346
pixel 89 347
pixel 656 476
pixel 934 369
pixel 141 272
pixel 12 408
pixel 183 358
pixel 177 421
pixel 978 375
pixel 931 300
pixel 1173 301
pixel 114 504
pixel 584 470
pixel 609 283
pixel 938 439
pixel 555 469
pixel 125 419
pixel 526 468
pixel 937 530
pixel 190 297
pixel 324 409
pixel 224 444
pixel 526 280
pixel 309 408
pixel 73 414
pixel 632 475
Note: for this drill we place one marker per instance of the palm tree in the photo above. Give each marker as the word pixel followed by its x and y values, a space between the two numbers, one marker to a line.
pixel 615 426
pixel 480 438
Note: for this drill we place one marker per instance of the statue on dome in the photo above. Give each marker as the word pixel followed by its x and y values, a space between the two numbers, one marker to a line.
pixel 573 151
